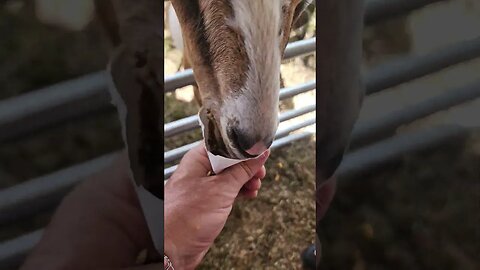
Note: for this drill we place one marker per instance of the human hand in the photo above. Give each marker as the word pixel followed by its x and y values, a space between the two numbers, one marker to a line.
pixel 197 206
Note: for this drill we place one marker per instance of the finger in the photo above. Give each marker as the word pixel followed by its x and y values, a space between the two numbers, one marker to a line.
pixel 239 174
pixel 324 197
pixel 253 184
pixel 261 173
pixel 248 194
pixel 195 162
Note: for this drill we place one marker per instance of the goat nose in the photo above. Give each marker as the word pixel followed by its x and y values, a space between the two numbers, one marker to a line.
pixel 248 143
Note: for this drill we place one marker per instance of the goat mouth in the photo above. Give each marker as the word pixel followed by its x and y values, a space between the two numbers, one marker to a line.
pixel 213 138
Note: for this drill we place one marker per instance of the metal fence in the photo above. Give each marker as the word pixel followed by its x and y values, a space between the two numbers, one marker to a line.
pixel 87 96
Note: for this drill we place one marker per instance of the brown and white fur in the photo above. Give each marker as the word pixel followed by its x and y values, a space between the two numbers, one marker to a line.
pixel 235 50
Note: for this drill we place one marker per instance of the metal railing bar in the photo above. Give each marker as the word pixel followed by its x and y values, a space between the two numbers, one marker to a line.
pixel 191 122
pixel 297 112
pixel 300 48
pixel 410 68
pixel 294 49
pixel 366 158
pixel 181 125
pixel 287 130
pixel 178 80
pixel 46 191
pixel 52 105
pixel 365 132
pixel 363 160
pixel 168 172
pixel 276 144
pixel 380 10
pixel 177 153
pixel 289 92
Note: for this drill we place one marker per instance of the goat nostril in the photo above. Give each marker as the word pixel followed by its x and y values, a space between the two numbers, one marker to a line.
pixel 247 144
pixel 241 140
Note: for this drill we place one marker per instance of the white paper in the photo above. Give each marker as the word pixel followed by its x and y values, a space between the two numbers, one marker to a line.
pixel 219 163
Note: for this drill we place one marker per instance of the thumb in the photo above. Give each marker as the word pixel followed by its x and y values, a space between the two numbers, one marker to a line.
pixel 240 173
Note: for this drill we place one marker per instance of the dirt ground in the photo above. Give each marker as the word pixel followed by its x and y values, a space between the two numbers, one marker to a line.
pixel 418 213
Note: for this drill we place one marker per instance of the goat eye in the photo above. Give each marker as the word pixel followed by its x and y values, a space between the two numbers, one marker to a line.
pixel 280 31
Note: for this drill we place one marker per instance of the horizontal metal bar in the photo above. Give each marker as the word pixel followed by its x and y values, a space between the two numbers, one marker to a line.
pixel 287 130
pixel 177 153
pixel 366 158
pixel 403 70
pixel 300 48
pixel 276 144
pixel 363 160
pixel 13 252
pixel 53 105
pixel 191 122
pixel 181 125
pixel 366 132
pixel 178 80
pixel 44 192
pixel 297 112
pixel 168 172
pixel 294 49
pixel 289 92
pixel 380 10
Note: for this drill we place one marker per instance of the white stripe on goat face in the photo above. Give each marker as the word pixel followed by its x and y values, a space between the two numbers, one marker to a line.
pixel 256 104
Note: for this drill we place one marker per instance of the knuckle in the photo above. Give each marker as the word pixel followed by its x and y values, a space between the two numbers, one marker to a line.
pixel 247 169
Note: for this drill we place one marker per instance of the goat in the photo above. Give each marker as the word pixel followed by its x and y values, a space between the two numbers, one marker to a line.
pixel 235 50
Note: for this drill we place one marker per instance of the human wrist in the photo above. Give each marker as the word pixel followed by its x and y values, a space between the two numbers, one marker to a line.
pixel 179 260
pixel 167 263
